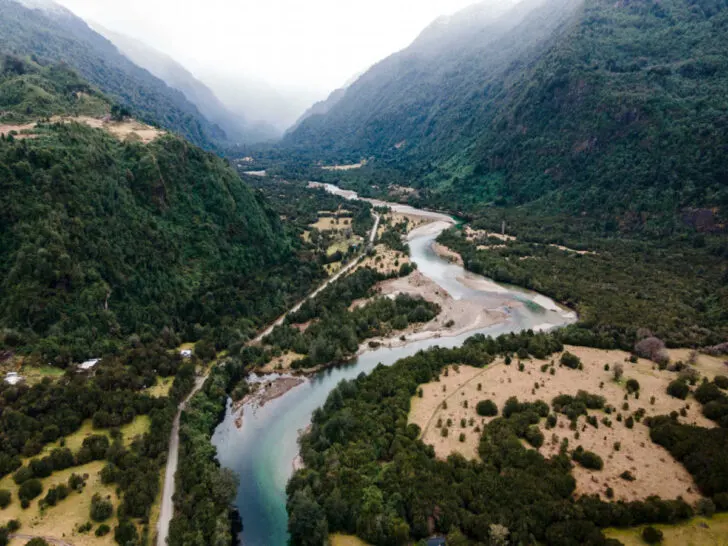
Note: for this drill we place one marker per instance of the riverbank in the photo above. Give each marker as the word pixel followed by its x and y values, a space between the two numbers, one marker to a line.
pixel 263 452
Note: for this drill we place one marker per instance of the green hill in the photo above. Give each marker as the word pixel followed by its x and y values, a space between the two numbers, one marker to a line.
pixel 54 35
pixel 103 238
pixel 595 106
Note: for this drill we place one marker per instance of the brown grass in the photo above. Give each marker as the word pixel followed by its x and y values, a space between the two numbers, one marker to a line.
pixel 656 472
pixel 346 540
pixel 62 520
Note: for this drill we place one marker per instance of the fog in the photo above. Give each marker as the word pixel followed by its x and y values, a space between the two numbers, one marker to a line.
pixel 298 48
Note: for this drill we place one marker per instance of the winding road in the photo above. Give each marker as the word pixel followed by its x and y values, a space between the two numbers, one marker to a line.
pixel 167 509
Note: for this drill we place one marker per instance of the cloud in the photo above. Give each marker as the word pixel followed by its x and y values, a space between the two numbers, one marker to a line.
pixel 315 45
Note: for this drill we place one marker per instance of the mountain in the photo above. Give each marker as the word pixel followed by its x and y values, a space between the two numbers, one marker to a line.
pixel 236 126
pixel 319 108
pixel 278 107
pixel 590 105
pixel 102 238
pixel 51 34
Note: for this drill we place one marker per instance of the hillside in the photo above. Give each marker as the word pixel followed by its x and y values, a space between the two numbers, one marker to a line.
pixel 603 107
pixel 53 34
pixel 237 128
pixel 103 237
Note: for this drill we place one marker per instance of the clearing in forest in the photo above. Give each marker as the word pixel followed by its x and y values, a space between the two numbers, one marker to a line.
pixel 654 469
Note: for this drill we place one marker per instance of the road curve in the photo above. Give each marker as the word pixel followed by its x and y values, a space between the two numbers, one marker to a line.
pixel 167 509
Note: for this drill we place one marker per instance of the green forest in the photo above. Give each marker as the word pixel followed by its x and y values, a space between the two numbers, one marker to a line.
pixel 368 473
pixel 616 112
pixel 103 239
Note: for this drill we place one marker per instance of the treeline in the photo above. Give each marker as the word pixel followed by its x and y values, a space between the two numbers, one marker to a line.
pixel 335 332
pixel 681 295
pixel 388 488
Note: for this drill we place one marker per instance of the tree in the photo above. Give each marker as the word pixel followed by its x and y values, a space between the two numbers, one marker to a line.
pixel 618 371
pixel 125 534
pixel 486 408
pixel 30 489
pixel 570 360
pixel 632 385
pixel 678 389
pixel 101 509
pixel 307 524
pixel 5 498
pixel 653 349
pixel 651 535
pixel 37 541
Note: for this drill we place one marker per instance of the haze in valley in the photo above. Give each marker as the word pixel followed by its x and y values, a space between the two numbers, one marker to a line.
pixel 269 61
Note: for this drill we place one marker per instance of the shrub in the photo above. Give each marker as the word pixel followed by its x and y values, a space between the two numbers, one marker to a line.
pixel 632 385
pixel 125 532
pixel 651 535
pixel 23 474
pixel 486 408
pixel 30 489
pixel 443 432
pixel 587 459
pixel 570 360
pixel 705 507
pixel 102 530
pixel 721 381
pixel 651 348
pixel 5 498
pixel 678 389
pixel 462 436
pixel 617 372
pixel 629 422
pixel 708 392
pixel 37 541
pixel 101 509
pixel 534 436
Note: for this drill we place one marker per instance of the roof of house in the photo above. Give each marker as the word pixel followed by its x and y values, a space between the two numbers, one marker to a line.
pixel 13 378
pixel 89 364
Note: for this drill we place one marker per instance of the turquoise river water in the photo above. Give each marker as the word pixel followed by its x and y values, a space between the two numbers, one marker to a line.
pixel 263 450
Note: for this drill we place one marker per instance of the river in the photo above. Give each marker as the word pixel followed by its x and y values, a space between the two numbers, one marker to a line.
pixel 262 452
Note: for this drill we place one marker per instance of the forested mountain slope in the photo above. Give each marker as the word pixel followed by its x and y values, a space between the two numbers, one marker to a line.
pixel 102 238
pixel 593 106
pixel 236 126
pixel 56 35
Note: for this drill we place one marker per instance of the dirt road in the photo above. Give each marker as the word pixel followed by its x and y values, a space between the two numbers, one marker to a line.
pixel 167 510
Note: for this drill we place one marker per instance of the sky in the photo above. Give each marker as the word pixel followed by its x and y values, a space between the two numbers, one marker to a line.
pixel 311 45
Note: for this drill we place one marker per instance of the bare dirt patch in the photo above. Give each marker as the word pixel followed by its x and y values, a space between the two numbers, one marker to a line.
pixel 21 131
pixel 656 472
pixel 385 260
pixel 446 254
pixel 481 234
pixel 344 167
pixel 572 250
pixel 281 363
pixel 123 130
pixel 456 316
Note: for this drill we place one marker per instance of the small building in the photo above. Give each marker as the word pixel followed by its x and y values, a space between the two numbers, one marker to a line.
pixel 436 541
pixel 186 353
pixel 13 378
pixel 89 364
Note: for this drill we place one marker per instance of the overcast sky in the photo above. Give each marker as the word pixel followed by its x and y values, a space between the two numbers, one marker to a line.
pixel 310 44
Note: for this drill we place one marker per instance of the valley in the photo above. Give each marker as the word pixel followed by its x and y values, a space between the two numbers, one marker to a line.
pixel 478 296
